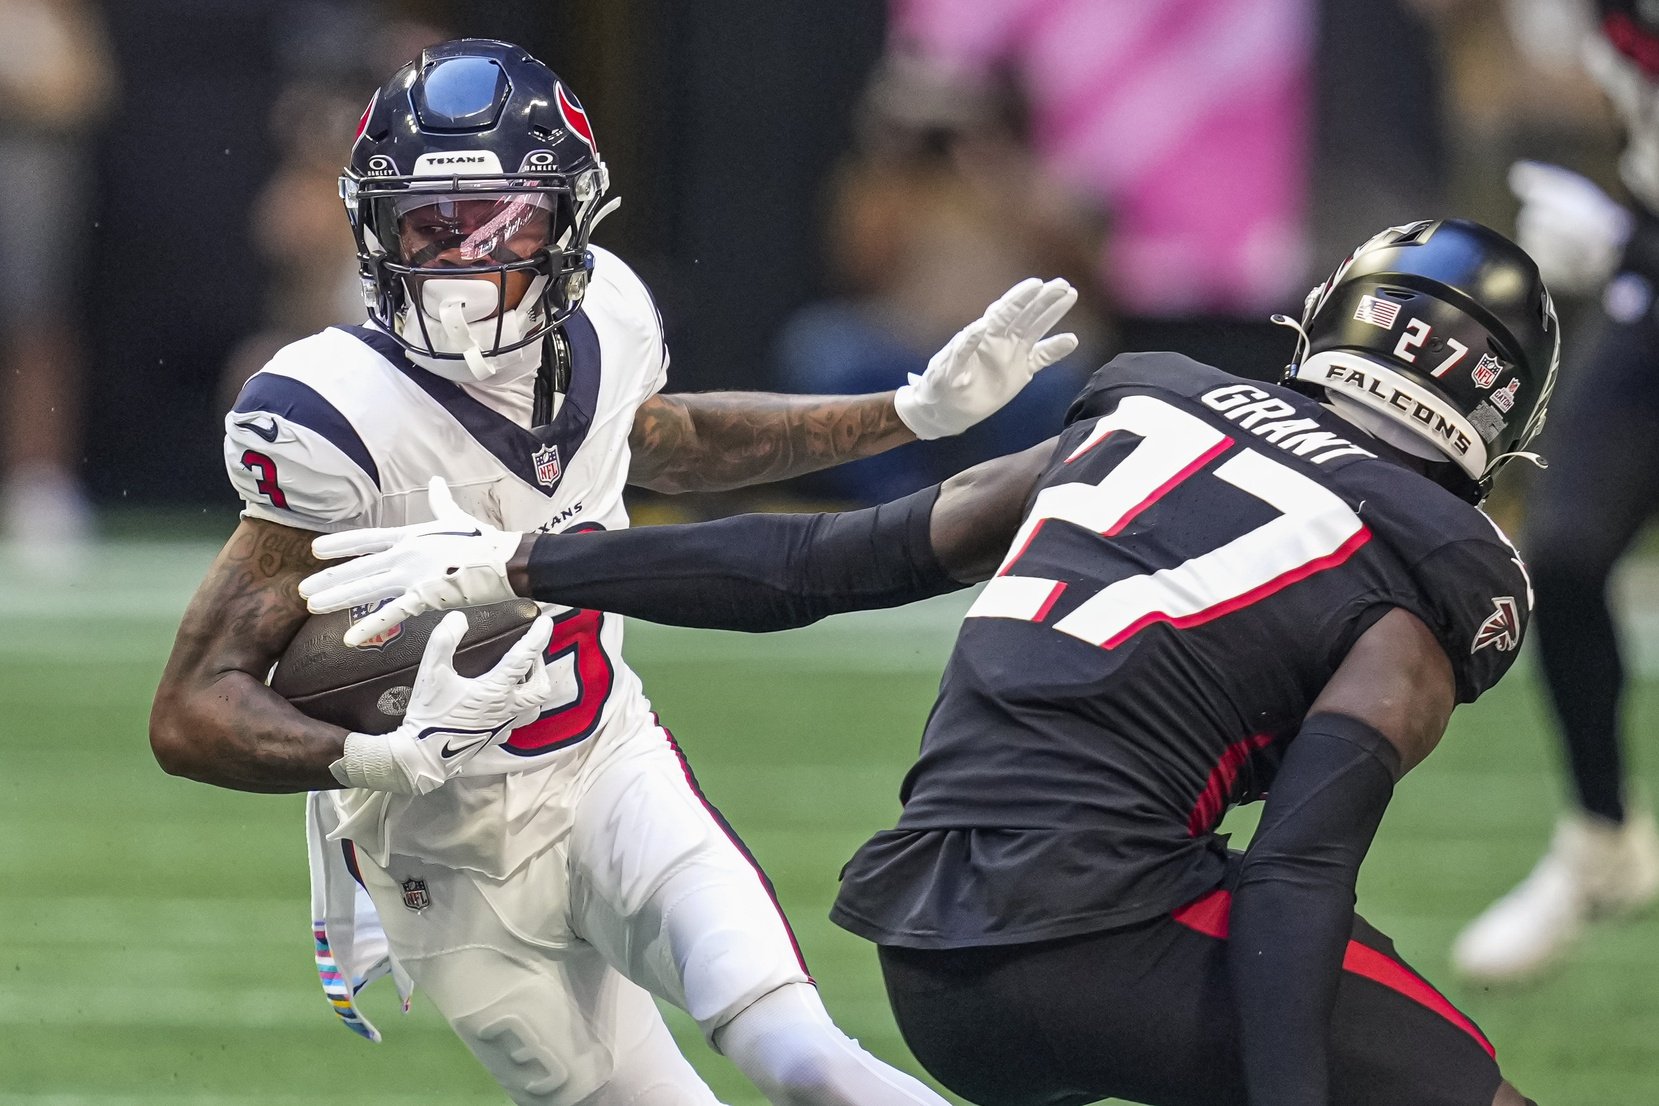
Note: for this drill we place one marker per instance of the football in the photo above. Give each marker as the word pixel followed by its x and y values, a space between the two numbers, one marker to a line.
pixel 366 689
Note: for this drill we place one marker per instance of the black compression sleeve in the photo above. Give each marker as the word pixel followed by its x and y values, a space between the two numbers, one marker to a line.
pixel 1293 908
pixel 749 572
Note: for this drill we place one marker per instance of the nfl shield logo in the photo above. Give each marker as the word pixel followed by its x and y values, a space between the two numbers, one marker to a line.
pixel 380 640
pixel 1486 371
pixel 415 895
pixel 546 461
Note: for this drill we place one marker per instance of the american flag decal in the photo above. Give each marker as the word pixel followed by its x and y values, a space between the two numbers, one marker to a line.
pixel 1377 312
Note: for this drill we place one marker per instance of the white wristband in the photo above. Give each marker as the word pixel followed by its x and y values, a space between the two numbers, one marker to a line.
pixel 367 762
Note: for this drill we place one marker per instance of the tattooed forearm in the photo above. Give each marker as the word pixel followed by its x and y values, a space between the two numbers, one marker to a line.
pixel 719 440
pixel 214 719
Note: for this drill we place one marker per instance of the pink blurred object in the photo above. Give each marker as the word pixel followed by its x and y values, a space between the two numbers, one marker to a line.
pixel 1188 119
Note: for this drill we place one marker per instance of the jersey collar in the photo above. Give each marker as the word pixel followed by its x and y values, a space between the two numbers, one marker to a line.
pixel 537 456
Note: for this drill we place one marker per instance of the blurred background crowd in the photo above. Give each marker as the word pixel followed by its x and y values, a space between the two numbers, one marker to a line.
pixel 818 202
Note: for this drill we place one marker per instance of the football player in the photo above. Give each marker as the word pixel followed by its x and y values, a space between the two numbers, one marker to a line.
pixel 1203 591
pixel 1603 485
pixel 541 879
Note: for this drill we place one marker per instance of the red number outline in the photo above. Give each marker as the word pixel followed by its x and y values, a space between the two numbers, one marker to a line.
pixel 1313 531
pixel 575 632
pixel 266 485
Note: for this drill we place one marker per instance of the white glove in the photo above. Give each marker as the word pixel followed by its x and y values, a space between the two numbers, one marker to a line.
pixel 1572 229
pixel 988 361
pixel 451 718
pixel 452 561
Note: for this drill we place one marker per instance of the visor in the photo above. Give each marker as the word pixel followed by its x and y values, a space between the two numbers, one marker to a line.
pixel 468 229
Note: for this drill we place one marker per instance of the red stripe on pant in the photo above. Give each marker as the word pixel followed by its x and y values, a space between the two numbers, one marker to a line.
pixel 1209 915
pixel 737 842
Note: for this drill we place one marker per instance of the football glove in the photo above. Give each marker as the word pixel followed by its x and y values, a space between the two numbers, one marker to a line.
pixel 451 718
pixel 453 561
pixel 988 361
pixel 1572 229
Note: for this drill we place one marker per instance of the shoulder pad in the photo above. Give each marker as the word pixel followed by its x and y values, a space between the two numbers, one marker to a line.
pixel 1482 599
pixel 1166 372
pixel 295 459
pixel 1476 595
pixel 624 302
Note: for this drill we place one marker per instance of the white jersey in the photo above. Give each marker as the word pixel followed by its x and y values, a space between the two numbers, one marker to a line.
pixel 341 430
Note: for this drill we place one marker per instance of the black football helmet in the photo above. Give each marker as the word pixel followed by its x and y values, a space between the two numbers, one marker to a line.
pixel 473 178
pixel 1445 329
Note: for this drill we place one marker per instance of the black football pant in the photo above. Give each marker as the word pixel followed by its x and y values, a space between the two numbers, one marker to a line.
pixel 1145 1013
pixel 1602 484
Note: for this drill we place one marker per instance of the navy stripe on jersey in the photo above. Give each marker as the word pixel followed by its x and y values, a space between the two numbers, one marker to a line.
pixel 510 443
pixel 275 394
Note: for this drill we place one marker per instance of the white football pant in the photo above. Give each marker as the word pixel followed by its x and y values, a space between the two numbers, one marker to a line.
pixel 548 975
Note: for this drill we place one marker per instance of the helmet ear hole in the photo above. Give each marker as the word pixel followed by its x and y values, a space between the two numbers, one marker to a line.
pixel 576 286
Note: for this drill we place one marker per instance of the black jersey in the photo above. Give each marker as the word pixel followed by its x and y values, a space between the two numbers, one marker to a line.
pixel 1195 562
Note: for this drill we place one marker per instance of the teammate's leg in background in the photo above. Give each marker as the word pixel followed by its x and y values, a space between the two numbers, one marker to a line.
pixel 664 890
pixel 1588 506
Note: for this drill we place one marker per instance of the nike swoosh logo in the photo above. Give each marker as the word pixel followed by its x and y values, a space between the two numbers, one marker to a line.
pixel 451 749
pixel 269 433
pixel 461 741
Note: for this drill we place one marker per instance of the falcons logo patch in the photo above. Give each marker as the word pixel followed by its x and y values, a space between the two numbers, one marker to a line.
pixel 1502 627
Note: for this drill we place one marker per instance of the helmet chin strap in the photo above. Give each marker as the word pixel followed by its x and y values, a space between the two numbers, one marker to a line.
pixel 1301 334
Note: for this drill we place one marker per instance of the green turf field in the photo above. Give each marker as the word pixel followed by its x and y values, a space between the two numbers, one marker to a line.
pixel 154 943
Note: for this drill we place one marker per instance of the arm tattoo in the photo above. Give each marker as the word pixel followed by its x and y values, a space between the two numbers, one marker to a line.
pixel 715 441
pixel 214 719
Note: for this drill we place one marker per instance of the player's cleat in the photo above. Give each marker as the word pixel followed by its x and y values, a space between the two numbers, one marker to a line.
pixel 1594 869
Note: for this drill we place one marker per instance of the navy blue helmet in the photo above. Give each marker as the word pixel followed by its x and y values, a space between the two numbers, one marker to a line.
pixel 1444 331
pixel 473 185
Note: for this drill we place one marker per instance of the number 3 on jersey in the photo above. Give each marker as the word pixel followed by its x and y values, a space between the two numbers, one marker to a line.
pixel 266 485
pixel 579 667
pixel 1314 530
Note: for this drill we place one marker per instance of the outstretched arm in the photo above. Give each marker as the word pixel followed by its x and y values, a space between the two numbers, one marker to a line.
pixel 716 441
pixel 722 440
pixel 749 572
pixel 773 572
pixel 1293 909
